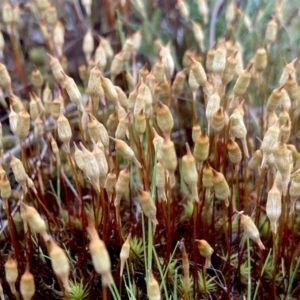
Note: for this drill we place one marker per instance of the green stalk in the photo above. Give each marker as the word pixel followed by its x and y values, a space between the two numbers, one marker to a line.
pixel 249 271
pixel 175 286
pixel 261 274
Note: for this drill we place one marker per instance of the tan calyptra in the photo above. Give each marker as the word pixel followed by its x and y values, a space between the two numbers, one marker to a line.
pixel 64 131
pixel 122 185
pixel 148 206
pixel 189 172
pixel 27 285
pixel 273 206
pixel 124 254
pixel 11 273
pixel 206 251
pixel 153 289
pixel 31 216
pixel 126 151
pixel 221 187
pixel 99 254
pixel 110 184
pixel 60 263
pixel 251 230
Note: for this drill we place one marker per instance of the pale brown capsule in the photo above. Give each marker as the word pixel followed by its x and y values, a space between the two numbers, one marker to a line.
pixel 16 103
pixel 99 254
pixel 97 130
pixel 143 99
pixel 291 87
pixel 64 131
pixel 210 58
pixel 124 254
pixel 56 106
pixel 234 153
pixel 91 168
pixel 178 83
pixel 221 187
pixel 260 59
pixel 199 35
pixel 196 130
pixel 7 13
pixel 23 124
pixel 203 10
pixel 207 175
pixel 122 98
pixel 100 157
pixel 100 57
pixel 132 99
pixel 213 105
pixel 206 251
pixel 164 118
pixel 269 141
pixel 144 72
pixel 116 65
pixel 5 80
pixel 285 132
pixel 88 45
pixel 78 154
pixel 129 80
pixel 13 120
pixel 199 72
pixel 273 207
pixel 167 60
pixel 94 88
pixel 183 9
pixel 27 286
pixel 186 61
pixel 153 289
pixel 255 161
pixel 33 108
pixel 140 123
pixel 109 90
pixel 288 70
pixel 271 119
pixel 42 5
pixel 18 170
pixel 148 206
pixel 73 91
pixel 271 31
pixel 110 184
pixel 219 61
pixel 37 78
pixel 229 72
pixel 126 151
pixel 218 120
pixel 242 82
pixel 122 127
pixel 54 146
pixel 112 122
pixel 237 128
pixel 285 100
pixel 158 71
pixel 120 110
pixel 122 185
pixel 128 48
pixel 136 40
pixel 168 158
pixel 201 148
pixel 189 172
pixel 275 98
pixel 11 273
pixel 251 230
pixel 51 15
pixel 60 263
pixel 160 182
pixel 282 162
pixel 230 13
pixel 35 221
pixel 5 188
pixel 57 70
pixel 59 37
pixel 193 83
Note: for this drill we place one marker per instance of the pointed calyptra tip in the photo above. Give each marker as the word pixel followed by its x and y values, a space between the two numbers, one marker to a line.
pixel 281 87
pixel 188 149
pixel 113 139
